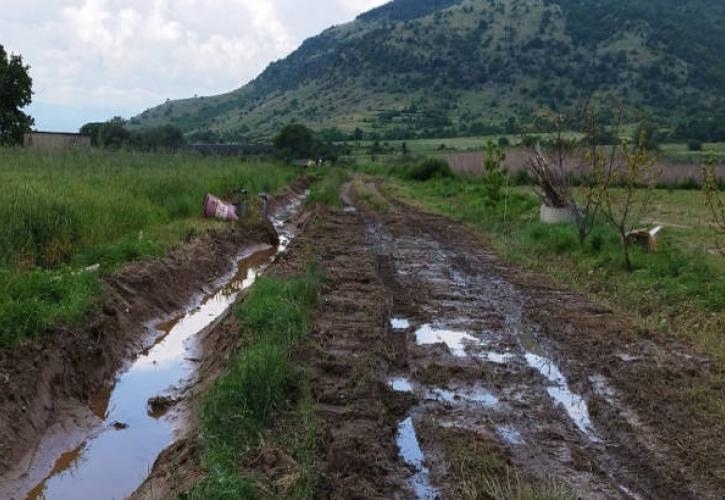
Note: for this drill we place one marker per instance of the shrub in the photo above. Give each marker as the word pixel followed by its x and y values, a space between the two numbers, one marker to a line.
pixel 522 178
pixel 432 168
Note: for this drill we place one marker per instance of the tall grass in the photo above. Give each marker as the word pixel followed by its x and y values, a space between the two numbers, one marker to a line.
pixel 326 189
pixel 64 211
pixel 258 385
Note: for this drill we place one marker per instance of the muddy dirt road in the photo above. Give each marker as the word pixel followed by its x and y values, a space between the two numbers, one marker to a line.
pixel 430 355
pixel 437 369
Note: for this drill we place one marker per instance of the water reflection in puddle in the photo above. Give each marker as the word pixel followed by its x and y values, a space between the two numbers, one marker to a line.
pixel 499 359
pixel 412 454
pixel 510 434
pixel 456 341
pixel 401 384
pixel 481 396
pixel 135 438
pixel 117 458
pixel 575 405
pixel 399 324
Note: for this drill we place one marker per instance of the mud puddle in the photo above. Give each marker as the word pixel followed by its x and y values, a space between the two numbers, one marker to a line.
pixel 478 364
pixel 135 420
pixel 412 454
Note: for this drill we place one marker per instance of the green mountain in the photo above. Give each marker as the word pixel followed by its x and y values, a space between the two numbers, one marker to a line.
pixel 438 68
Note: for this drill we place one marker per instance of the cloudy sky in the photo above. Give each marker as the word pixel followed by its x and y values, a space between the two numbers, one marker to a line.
pixel 93 59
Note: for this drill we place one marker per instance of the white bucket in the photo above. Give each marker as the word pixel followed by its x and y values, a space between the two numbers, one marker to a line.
pixel 552 215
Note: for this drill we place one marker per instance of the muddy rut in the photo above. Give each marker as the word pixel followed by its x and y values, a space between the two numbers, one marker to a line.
pixel 427 344
pixel 92 431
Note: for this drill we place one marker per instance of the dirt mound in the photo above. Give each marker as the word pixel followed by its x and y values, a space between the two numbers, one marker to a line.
pixel 67 369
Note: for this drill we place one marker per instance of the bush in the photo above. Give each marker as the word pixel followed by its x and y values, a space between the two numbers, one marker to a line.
pixel 432 168
pixel 522 178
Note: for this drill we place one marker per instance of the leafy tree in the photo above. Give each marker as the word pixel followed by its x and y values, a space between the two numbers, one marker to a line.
pixel 165 137
pixel 114 134
pixel 713 197
pixel 92 130
pixel 295 141
pixel 495 175
pixel 15 93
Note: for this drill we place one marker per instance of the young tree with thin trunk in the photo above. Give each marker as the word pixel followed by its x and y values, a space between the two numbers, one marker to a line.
pixel 713 197
pixel 626 182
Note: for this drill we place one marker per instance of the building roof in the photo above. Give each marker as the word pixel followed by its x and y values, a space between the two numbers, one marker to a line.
pixel 40 132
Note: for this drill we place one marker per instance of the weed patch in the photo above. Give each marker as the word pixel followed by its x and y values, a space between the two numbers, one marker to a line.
pixel 326 190
pixel 259 386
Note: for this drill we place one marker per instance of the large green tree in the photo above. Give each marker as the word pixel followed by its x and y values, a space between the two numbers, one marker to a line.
pixel 296 141
pixel 15 93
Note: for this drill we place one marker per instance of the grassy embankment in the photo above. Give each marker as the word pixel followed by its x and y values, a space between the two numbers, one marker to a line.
pixel 326 189
pixel 64 212
pixel 263 390
pixel 262 387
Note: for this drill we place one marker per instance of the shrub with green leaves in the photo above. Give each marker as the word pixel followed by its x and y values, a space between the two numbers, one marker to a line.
pixel 431 168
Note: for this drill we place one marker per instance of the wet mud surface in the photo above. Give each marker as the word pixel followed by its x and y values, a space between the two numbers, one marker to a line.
pixel 426 341
pixel 560 384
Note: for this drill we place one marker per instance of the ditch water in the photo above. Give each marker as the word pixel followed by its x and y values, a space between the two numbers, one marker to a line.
pixel 113 460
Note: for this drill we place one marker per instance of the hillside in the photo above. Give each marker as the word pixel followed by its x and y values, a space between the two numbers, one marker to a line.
pixel 432 68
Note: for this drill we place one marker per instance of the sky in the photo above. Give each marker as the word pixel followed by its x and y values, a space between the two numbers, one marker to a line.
pixel 94 59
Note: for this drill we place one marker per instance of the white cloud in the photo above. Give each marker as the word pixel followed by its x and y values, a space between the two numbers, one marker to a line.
pixel 106 57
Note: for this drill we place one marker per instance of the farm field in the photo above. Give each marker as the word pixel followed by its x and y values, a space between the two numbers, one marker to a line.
pixel 67 212
pixel 669 153
pixel 394 337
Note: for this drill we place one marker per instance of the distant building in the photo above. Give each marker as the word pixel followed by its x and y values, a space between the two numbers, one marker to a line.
pixel 55 140
pixel 232 149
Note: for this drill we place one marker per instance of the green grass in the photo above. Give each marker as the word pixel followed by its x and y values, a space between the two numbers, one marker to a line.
pixel 680 289
pixel 66 211
pixel 260 386
pixel 326 189
pixel 674 152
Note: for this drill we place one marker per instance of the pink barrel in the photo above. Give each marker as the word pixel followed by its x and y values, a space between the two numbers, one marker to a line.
pixel 214 208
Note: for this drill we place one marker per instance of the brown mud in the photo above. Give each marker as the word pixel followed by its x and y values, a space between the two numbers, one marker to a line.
pixel 441 370
pixel 565 387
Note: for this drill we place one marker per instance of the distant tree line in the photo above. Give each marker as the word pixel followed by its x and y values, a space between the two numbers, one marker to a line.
pixel 114 134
